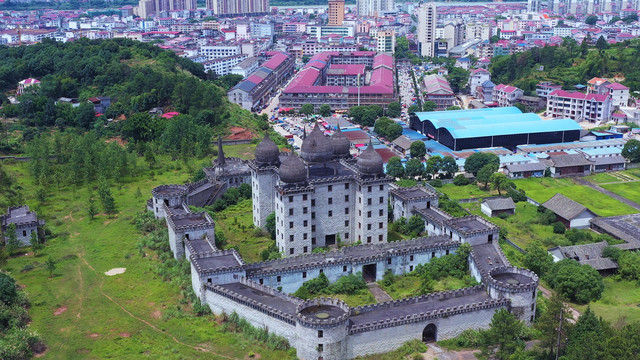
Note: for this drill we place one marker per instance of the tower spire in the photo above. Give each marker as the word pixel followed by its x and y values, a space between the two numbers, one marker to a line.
pixel 221 160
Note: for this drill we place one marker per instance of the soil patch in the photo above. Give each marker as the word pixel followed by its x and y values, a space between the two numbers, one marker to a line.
pixel 156 314
pixel 238 133
pixel 125 334
pixel 115 271
pixel 60 311
pixel 94 335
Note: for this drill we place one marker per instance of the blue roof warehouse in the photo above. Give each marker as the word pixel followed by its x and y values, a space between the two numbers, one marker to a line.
pixel 492 127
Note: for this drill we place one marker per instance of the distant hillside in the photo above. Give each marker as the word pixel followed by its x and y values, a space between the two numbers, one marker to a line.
pixel 569 64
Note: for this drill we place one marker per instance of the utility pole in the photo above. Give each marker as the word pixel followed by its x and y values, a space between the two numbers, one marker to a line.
pixel 559 331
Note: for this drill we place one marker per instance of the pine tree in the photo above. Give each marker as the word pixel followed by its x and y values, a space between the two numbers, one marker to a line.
pixel 36 245
pixel 51 266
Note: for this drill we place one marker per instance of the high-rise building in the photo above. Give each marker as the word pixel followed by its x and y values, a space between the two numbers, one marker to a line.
pixel 386 41
pixel 148 7
pixel 533 5
pixel 238 7
pixel 336 12
pixel 374 7
pixel 426 28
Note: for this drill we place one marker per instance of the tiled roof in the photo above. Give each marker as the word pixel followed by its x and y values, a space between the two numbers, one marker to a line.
pixel 564 207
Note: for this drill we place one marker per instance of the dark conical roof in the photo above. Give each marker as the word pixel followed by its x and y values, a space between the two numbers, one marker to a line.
pixel 267 151
pixel 292 170
pixel 316 147
pixel 340 143
pixel 370 162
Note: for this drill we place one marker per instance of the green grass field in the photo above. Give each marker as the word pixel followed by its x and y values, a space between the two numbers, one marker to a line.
pixel 82 313
pixel 628 190
pixel 236 222
pixel 620 301
pixel 542 189
pixel 244 151
pixel 405 286
pixel 601 178
pixel 465 192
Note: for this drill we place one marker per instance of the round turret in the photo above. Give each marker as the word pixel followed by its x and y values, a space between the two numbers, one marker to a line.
pixel 292 170
pixel 316 147
pixel 267 152
pixel 340 143
pixel 517 285
pixel 370 162
pixel 322 329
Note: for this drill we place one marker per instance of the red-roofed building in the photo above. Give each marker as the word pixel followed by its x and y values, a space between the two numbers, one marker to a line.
pixel 506 95
pixel 25 84
pixel 579 106
pixel 619 93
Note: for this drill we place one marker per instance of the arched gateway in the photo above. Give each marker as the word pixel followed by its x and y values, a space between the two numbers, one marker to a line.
pixel 430 333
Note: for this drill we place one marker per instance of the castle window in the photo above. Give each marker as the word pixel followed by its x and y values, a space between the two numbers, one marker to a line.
pixel 381 199
pixel 346 211
pixel 290 212
pixel 313 241
pixel 410 268
pixel 369 189
pixel 305 248
pixel 320 348
pixel 346 235
pixel 304 210
pixel 313 202
pixel 344 268
pixel 290 198
pixel 330 213
pixel 313 228
pixel 290 237
pixel 304 236
pixel 359 200
pixel 368 226
pixel 209 280
pixel 533 296
pixel 346 198
pixel 359 212
pixel 291 251
pixel 411 258
pixel 381 187
pixel 346 223
pixel 330 188
pixel 304 197
pixel 261 281
pixel 389 261
pixel 447 252
pixel 330 201
pixel 380 238
pixel 359 238
pixel 369 201
pixel 290 224
pixel 305 223
pixel 368 239
pixel 304 274
pixel 321 271
pixel 368 214
pixel 346 186
pixel 359 226
pixel 279 278
pixel 433 254
pixel 381 212
pixel 313 215
pixel 24 232
pixel 320 334
pixel 380 225
pixel 532 307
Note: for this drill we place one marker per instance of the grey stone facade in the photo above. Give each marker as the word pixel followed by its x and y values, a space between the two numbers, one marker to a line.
pixel 25 220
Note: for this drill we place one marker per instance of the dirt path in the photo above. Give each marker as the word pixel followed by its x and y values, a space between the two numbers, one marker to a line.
pixel 378 293
pixel 148 324
pixel 608 193
pixel 436 352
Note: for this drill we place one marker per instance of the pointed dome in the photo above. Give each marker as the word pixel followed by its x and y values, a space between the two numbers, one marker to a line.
pixel 370 162
pixel 292 170
pixel 316 147
pixel 340 143
pixel 267 152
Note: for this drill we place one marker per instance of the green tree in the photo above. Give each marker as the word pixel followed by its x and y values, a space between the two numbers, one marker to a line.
pixel 478 160
pixel 12 238
pixel 369 117
pixel 591 20
pixel 417 149
pixel 394 109
pixel 601 43
pixel 414 167
pixel 395 168
pixel 270 225
pixel 499 182
pixel 306 109
pixel 553 324
pixel 631 150
pixel 324 110
pixel 537 259
pixel 36 244
pixel 8 289
pixel 92 209
pixel 85 115
pixel 587 339
pixel 415 226
pixel 449 166
pixel 51 266
pixel 453 108
pixel 460 180
pixel 108 202
pixel 578 283
pixel 427 284
pixel 504 335
pixel 413 109
pixel 484 175
pixel 433 165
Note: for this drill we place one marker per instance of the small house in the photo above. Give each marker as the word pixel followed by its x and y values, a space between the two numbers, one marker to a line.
pixel 569 212
pixel 496 206
pixel 26 222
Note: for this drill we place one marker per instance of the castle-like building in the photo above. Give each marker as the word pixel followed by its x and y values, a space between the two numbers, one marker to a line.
pixel 321 197
pixel 296 188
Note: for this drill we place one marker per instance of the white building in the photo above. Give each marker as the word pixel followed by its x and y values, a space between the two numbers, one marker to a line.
pixel 476 79
pixel 222 66
pixel 619 94
pixel 426 28
pixel 219 51
pixel 506 95
pixel 246 67
pixel 579 106
pixel 374 7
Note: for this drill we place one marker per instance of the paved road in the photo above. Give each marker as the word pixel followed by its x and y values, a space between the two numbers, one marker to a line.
pixel 378 293
pixel 609 193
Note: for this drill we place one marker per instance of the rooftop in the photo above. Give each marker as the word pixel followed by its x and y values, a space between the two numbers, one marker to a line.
pixel 564 207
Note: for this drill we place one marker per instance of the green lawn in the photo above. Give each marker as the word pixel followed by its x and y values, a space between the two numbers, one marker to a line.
pixel 601 178
pixel 236 222
pixel 128 316
pixel 522 228
pixel 406 285
pixel 360 298
pixel 542 189
pixel 628 190
pixel 395 236
pixel 620 299
pixel 465 192
pixel 243 151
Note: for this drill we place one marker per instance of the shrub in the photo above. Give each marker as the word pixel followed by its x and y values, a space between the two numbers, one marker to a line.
pixel 460 180
pixel 558 228
pixel 578 283
pixel 436 183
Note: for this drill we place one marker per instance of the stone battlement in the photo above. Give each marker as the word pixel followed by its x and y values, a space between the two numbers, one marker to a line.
pixel 169 191
pixel 322 312
pixel 234 261
pixel 190 221
pixel 485 226
pixel 513 279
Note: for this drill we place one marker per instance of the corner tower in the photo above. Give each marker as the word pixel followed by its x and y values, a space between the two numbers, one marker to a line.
pixel 264 179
